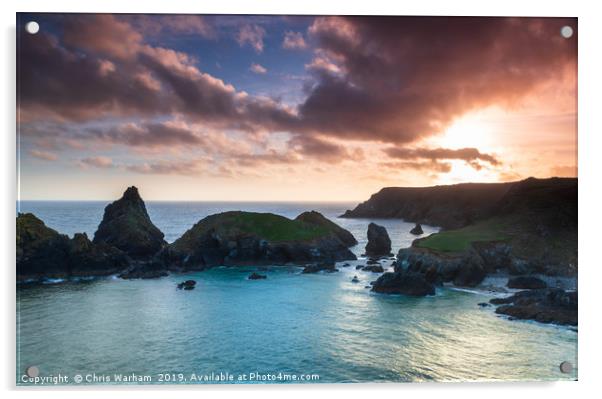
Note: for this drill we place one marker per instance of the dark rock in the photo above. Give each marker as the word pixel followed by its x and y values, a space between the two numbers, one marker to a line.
pixel 127 226
pixel 346 265
pixel 153 268
pixel 256 276
pixel 248 238
pixel 327 267
pixel 406 283
pixel 187 285
pixel 484 304
pixel 547 305
pixel 417 230
pixel 317 219
pixel 379 243
pixel 358 267
pixel 44 253
pixel 526 283
pixel 355 279
pixel 374 269
pixel 372 261
pixel 470 272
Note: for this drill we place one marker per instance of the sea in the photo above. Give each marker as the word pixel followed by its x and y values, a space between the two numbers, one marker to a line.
pixel 289 328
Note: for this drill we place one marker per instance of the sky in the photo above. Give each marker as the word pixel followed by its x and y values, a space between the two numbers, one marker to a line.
pixel 289 108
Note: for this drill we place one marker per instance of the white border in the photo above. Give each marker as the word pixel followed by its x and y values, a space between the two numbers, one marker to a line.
pixel 590 129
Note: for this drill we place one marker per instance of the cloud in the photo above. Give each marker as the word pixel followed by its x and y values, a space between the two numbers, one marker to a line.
pixel 149 134
pixel 383 79
pixel 293 41
pixel 167 168
pixel 406 78
pixel 97 162
pixel 318 148
pixel 434 166
pixel 184 24
pixel 471 156
pixel 251 35
pixel 256 68
pixel 44 155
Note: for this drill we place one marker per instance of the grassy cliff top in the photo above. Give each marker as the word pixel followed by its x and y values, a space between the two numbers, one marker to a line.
pixel 267 226
pixel 460 240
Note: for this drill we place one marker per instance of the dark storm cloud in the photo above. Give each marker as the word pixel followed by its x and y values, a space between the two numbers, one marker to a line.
pixel 390 79
pixel 470 155
pixel 408 77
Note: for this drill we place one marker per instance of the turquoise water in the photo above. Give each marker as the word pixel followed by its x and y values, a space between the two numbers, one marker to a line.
pixel 320 325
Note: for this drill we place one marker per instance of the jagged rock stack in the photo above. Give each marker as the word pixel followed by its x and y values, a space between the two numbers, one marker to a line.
pixel 417 230
pixel 127 226
pixel 379 243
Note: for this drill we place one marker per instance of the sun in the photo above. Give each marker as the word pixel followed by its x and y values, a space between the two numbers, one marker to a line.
pixel 469 131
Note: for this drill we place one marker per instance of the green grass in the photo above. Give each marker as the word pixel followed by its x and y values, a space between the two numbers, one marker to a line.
pixel 276 228
pixel 461 239
pixel 267 226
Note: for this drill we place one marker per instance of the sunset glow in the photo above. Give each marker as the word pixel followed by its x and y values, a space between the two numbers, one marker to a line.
pixel 273 108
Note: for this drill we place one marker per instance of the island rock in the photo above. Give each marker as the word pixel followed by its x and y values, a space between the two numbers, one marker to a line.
pixel 317 219
pixel 379 243
pixel 417 230
pixel 406 283
pixel 248 238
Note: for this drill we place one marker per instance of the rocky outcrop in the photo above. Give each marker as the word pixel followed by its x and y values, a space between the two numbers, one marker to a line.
pixel 257 276
pixel 317 219
pixel 187 285
pixel 249 238
pixel 403 282
pixel 379 243
pixel 373 268
pixel 44 253
pixel 153 268
pixel 526 283
pixel 417 230
pixel 548 305
pixel 461 269
pixel 326 267
pixel 127 226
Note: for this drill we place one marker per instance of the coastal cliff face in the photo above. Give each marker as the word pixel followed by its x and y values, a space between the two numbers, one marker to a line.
pixel 445 206
pixel 234 238
pixel 551 202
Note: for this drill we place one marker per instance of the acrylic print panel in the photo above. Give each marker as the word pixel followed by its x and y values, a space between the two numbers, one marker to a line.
pixel 213 199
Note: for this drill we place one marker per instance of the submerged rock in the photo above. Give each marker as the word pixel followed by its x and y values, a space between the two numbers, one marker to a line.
pixel 379 243
pixel 327 267
pixel 526 283
pixel 127 226
pixel 417 230
pixel 317 219
pixel 187 285
pixel 355 279
pixel 374 269
pixel 406 283
pixel 256 276
pixel 547 305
